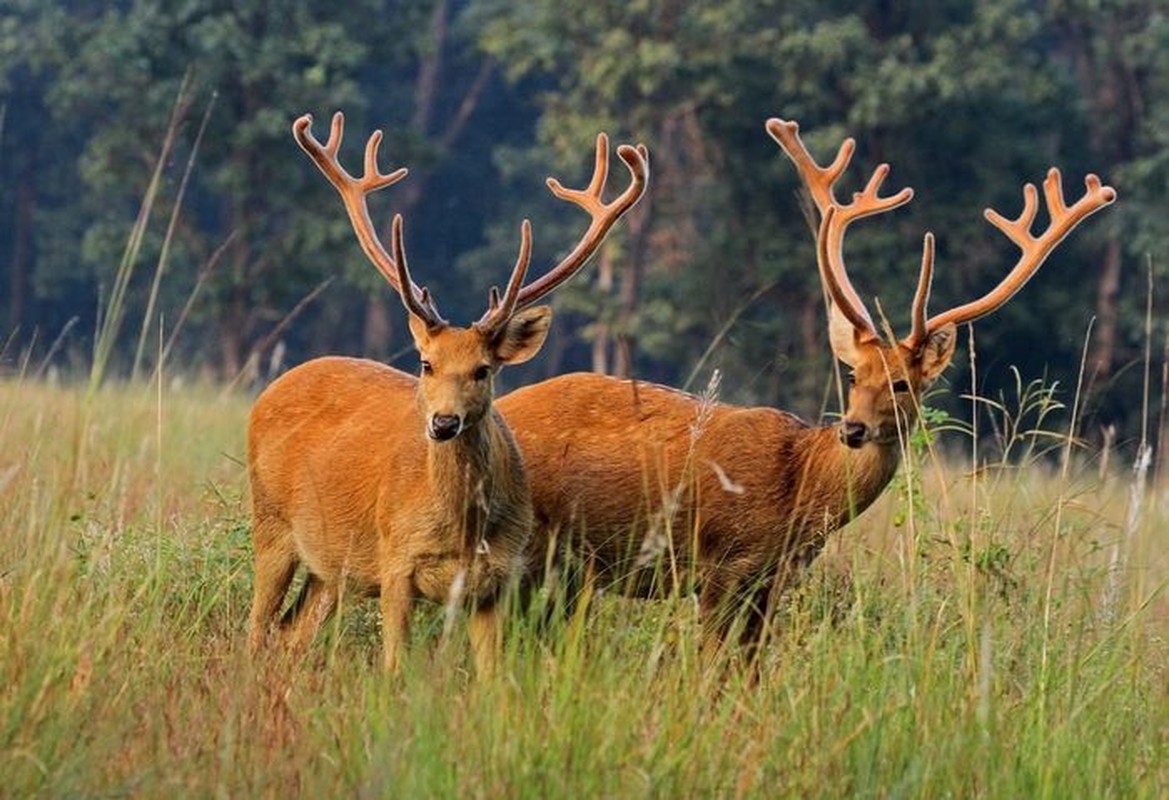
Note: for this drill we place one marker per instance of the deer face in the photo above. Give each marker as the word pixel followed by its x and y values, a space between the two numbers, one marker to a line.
pixel 886 381
pixel 455 384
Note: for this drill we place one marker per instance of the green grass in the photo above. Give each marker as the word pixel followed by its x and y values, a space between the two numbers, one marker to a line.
pixel 952 642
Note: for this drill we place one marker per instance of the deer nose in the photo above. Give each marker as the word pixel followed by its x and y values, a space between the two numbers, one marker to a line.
pixel 852 433
pixel 444 426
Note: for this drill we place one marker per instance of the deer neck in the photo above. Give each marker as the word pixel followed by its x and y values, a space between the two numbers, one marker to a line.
pixel 466 474
pixel 840 482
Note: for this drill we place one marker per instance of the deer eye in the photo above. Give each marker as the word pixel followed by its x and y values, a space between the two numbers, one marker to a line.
pixel 482 372
pixel 900 386
pixel 427 369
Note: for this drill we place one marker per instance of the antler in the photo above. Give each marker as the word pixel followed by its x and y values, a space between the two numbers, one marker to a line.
pixel 1035 249
pixel 499 310
pixel 819 180
pixel 604 216
pixel 354 192
pixel 417 300
pixel 835 217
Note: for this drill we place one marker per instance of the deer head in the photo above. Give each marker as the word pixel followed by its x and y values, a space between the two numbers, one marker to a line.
pixel 887 378
pixel 458 365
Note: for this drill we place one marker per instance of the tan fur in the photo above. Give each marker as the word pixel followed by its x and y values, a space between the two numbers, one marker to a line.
pixel 403 486
pixel 647 481
pixel 346 482
pixel 754 492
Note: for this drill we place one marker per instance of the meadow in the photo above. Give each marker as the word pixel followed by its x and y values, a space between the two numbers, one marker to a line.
pixel 999 632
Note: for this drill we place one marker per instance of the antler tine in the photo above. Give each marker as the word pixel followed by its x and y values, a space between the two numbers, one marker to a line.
pixel 1035 249
pixel 870 202
pixel 499 310
pixel 818 180
pixel 921 297
pixel 417 300
pixel 604 215
pixel 831 263
pixel 864 204
pixel 353 190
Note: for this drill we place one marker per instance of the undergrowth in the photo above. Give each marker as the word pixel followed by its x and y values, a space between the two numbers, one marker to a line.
pixel 952 641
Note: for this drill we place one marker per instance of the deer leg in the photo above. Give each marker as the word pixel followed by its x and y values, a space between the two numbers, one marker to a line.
pixel 316 603
pixel 570 587
pixel 757 613
pixel 483 630
pixel 397 597
pixel 275 564
pixel 715 617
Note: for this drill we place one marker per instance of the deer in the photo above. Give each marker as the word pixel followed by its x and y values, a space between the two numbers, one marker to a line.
pixel 403 486
pixel 656 489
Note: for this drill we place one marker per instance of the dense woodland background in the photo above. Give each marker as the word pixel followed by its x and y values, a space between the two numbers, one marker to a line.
pixel 482 99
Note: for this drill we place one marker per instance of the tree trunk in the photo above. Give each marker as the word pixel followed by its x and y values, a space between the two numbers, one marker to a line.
pixel 21 253
pixel 230 347
pixel 1107 296
pixel 233 335
pixel 378 331
pixel 601 329
pixel 430 71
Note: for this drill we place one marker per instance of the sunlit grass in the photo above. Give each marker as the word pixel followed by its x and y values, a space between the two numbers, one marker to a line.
pixel 951 642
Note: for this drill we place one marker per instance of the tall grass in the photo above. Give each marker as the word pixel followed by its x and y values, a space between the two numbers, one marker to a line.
pixel 114 311
pixel 914 660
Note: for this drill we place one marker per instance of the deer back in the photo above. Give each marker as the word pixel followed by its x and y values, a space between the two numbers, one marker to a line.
pixel 619 468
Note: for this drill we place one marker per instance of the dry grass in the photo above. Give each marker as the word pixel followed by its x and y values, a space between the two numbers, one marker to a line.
pixel 952 642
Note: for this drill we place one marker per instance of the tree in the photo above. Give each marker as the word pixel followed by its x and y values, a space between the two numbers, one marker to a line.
pixel 1116 52
pixel 254 208
pixel 33 172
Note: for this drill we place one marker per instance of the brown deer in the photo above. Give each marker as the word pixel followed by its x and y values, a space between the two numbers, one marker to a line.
pixel 652 485
pixel 395 485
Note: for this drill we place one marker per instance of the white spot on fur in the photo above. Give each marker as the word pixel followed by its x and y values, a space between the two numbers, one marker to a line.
pixel 725 480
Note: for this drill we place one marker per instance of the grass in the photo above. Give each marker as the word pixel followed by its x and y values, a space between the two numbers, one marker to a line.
pixel 952 642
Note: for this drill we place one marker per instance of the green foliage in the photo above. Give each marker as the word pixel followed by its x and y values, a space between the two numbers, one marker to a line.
pixel 965 100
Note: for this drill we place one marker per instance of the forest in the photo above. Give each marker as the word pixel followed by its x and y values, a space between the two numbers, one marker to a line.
pixel 152 198
pixel 994 624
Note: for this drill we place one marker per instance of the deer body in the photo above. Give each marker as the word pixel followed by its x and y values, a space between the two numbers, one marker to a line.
pixel 345 482
pixel 742 496
pixel 396 485
pixel 745 489
pixel 649 485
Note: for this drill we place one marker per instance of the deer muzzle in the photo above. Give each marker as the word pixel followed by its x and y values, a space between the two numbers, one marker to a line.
pixel 853 433
pixel 444 426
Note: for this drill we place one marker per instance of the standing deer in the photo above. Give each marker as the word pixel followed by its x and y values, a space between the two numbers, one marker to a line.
pixel 737 498
pixel 396 485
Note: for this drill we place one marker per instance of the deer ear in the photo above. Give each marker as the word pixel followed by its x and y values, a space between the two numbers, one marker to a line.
pixel 937 350
pixel 523 335
pixel 421 332
pixel 843 336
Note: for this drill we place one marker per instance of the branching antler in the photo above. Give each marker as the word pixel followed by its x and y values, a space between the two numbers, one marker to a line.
pixel 835 217
pixel 354 192
pixel 1035 249
pixel 604 216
